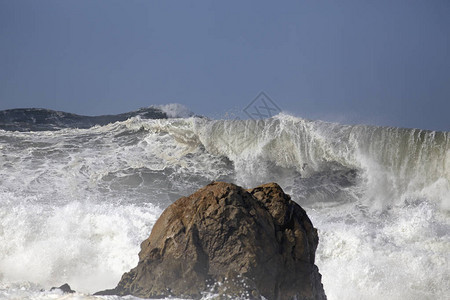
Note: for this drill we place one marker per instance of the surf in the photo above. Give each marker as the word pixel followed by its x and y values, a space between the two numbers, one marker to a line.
pixel 82 199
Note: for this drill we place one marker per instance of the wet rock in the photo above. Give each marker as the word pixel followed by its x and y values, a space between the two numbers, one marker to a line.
pixel 65 288
pixel 233 242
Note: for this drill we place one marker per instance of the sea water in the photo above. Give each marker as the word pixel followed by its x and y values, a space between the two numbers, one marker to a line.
pixel 75 204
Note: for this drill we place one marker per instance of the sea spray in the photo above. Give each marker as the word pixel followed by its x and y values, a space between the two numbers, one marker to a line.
pixel 76 203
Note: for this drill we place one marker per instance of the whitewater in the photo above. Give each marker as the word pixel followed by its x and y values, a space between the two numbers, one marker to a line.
pixel 75 204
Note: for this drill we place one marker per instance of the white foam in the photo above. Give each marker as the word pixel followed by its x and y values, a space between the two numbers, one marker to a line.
pixel 88 244
pixel 75 204
pixel 401 254
pixel 176 110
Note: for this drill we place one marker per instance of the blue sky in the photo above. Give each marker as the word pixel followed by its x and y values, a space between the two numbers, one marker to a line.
pixel 374 62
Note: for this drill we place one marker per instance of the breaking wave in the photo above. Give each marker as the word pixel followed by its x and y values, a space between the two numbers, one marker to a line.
pixel 81 200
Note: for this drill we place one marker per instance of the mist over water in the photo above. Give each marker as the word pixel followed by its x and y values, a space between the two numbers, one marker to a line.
pixel 75 204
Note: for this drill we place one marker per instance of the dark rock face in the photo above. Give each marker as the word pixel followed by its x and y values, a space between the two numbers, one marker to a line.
pixel 65 288
pixel 227 240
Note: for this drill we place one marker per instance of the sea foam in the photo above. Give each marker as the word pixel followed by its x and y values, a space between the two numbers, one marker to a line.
pixel 76 203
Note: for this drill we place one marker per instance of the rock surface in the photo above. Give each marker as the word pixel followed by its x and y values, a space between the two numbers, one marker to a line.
pixel 65 288
pixel 233 242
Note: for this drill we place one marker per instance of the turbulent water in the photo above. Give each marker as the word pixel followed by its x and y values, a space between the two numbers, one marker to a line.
pixel 76 203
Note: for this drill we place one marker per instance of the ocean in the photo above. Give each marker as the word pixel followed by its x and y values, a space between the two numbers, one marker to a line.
pixel 76 201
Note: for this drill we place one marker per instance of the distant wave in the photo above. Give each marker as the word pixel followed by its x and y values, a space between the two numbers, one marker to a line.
pixel 38 119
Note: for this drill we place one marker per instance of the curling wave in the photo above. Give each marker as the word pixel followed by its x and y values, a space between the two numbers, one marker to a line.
pixel 83 199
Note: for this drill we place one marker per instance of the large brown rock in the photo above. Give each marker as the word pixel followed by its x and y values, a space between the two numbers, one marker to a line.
pixel 230 241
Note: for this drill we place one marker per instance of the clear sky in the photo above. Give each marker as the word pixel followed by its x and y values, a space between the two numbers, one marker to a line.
pixel 374 62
